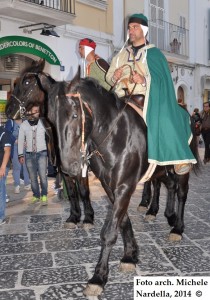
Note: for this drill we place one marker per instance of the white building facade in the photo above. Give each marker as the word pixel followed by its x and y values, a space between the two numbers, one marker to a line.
pixel 181 29
pixel 21 41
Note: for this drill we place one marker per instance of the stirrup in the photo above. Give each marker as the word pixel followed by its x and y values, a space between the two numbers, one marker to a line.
pixel 182 169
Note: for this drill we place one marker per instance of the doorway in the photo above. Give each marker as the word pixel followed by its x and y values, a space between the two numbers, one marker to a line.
pixel 180 95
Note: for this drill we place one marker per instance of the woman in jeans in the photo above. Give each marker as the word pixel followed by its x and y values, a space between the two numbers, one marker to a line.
pixel 5 147
pixel 13 127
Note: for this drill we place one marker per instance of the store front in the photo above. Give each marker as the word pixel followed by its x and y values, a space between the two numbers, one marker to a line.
pixel 16 54
pixel 206 88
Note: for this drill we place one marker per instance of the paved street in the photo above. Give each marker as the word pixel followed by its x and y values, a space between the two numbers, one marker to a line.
pixel 40 259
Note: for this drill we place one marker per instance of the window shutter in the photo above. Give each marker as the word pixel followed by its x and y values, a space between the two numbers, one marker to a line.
pixel 156 29
pixel 209 35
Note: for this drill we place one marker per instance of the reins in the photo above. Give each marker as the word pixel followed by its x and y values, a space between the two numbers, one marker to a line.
pixel 83 146
pixel 112 128
pixel 125 80
pixel 119 80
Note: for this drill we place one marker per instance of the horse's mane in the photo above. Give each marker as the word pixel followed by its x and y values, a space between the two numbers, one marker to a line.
pixel 37 67
pixel 90 85
pixel 33 68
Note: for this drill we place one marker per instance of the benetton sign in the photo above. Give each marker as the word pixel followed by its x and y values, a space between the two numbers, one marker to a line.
pixel 19 44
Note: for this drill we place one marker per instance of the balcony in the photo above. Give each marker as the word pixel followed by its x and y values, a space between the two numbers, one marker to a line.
pixel 169 37
pixel 55 12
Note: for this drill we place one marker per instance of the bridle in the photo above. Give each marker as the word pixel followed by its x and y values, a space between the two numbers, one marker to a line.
pixel 22 109
pixel 86 156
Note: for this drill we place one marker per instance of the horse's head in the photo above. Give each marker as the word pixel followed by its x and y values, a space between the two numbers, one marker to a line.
pixel 80 114
pixel 27 90
pixel 64 111
pixel 65 114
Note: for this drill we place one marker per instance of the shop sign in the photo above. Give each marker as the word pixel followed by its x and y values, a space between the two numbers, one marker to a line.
pixel 20 44
pixel 2 105
pixel 3 101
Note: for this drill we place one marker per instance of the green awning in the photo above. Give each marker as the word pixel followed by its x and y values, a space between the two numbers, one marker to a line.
pixel 19 44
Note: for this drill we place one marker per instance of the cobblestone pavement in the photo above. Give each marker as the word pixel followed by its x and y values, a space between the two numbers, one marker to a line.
pixel 40 259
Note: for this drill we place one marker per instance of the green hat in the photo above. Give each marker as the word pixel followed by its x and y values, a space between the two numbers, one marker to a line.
pixel 138 18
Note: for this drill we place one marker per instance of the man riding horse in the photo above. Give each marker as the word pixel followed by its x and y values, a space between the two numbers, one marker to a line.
pixel 141 71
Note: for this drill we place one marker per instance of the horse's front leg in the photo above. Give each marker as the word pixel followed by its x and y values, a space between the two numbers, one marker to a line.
pixel 109 235
pixel 75 210
pixel 182 191
pixel 146 197
pixel 130 258
pixel 83 185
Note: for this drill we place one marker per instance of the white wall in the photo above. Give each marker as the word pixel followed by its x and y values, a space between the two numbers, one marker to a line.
pixel 118 22
pixel 199 46
pixel 199 31
pixel 64 47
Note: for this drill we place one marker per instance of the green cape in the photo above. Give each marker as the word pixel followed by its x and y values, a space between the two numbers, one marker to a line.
pixel 168 124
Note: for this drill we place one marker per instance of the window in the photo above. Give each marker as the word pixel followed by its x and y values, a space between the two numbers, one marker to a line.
pixel 209 34
pixel 182 22
pixel 157 23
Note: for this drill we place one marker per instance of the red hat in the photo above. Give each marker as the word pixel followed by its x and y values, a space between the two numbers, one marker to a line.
pixel 88 42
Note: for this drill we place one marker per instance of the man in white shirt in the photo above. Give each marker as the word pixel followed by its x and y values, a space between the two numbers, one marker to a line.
pixel 32 137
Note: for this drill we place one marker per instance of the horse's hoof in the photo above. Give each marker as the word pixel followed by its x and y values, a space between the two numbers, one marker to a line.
pixel 149 218
pixel 174 237
pixel 87 226
pixel 142 208
pixel 93 290
pixel 126 267
pixel 70 225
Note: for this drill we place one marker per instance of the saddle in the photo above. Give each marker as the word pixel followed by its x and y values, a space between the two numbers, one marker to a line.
pixel 138 100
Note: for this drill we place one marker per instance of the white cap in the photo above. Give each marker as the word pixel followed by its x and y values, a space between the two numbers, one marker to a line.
pixel 88 50
pixel 144 29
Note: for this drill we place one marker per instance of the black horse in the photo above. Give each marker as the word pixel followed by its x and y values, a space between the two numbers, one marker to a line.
pixel 116 150
pixel 95 126
pixel 21 99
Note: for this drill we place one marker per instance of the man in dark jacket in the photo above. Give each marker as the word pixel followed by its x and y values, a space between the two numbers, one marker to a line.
pixel 205 131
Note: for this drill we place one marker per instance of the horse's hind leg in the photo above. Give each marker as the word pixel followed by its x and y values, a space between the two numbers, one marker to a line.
pixel 85 197
pixel 130 258
pixel 146 197
pixel 170 182
pixel 182 191
pixel 75 211
pixel 154 207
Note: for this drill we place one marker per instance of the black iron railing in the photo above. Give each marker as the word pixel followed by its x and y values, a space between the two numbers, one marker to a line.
pixel 67 6
pixel 169 37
